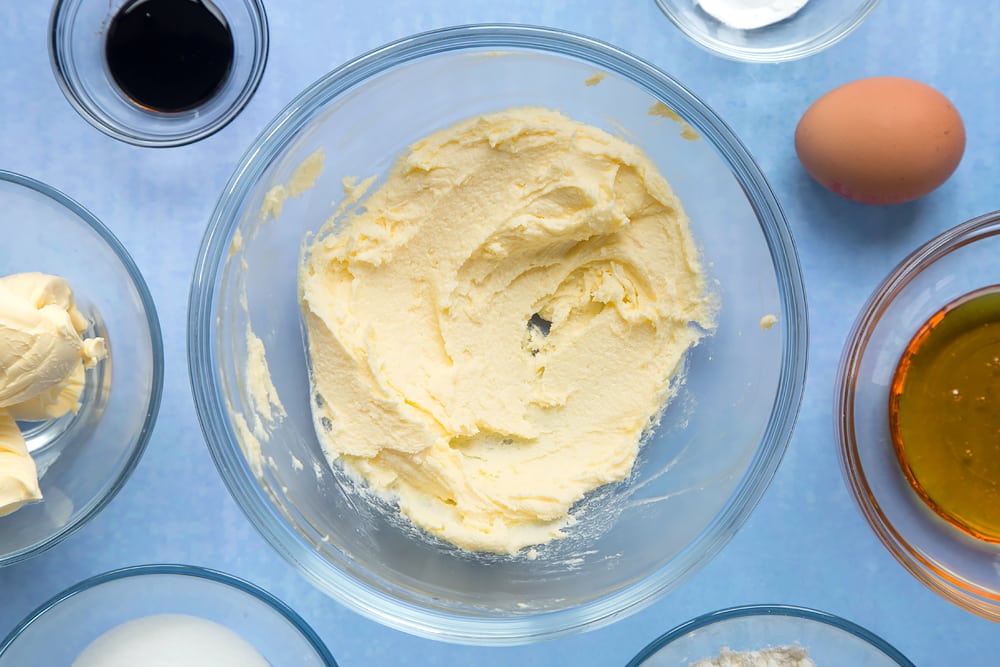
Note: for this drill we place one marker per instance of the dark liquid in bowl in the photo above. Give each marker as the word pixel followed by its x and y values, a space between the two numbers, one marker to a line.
pixel 944 412
pixel 169 55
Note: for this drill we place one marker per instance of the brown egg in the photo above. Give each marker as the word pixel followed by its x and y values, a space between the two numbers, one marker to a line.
pixel 883 140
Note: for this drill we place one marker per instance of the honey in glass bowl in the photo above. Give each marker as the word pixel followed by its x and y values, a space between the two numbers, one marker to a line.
pixel 944 412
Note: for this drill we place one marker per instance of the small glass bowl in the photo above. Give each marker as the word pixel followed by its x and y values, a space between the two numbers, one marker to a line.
pixel 817 26
pixel 951 563
pixel 59 630
pixel 829 639
pixel 82 459
pixel 76 46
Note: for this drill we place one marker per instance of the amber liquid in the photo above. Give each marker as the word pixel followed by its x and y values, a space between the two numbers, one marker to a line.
pixel 169 55
pixel 944 412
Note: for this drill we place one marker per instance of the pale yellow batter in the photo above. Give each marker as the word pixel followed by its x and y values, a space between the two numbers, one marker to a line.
pixel 495 328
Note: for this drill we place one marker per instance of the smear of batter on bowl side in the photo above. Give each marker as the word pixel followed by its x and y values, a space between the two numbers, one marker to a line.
pixel 303 178
pixel 687 132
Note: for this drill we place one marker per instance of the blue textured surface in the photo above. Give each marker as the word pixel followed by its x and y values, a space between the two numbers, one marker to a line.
pixel 806 543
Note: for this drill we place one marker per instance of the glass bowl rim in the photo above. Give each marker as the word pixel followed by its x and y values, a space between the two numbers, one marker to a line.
pixel 210 405
pixel 175 569
pixel 980 603
pixel 814 45
pixel 137 136
pixel 156 342
pixel 791 611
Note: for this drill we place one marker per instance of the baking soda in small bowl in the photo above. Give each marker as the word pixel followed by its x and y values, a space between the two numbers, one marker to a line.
pixel 170 640
pixel 751 14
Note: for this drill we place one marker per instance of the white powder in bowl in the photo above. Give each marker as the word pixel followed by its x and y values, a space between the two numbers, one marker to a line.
pixel 751 14
pixel 170 640
pixel 781 656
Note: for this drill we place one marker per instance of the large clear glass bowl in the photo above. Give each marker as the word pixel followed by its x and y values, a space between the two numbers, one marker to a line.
pixel 953 564
pixel 83 459
pixel 697 478
pixel 59 630
pixel 829 639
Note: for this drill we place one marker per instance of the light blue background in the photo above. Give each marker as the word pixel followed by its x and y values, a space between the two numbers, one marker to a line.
pixel 806 543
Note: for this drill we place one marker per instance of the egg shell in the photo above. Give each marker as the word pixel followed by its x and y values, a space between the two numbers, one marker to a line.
pixel 881 140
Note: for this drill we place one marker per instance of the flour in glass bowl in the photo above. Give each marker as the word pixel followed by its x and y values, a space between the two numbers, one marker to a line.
pixel 751 14
pixel 781 656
